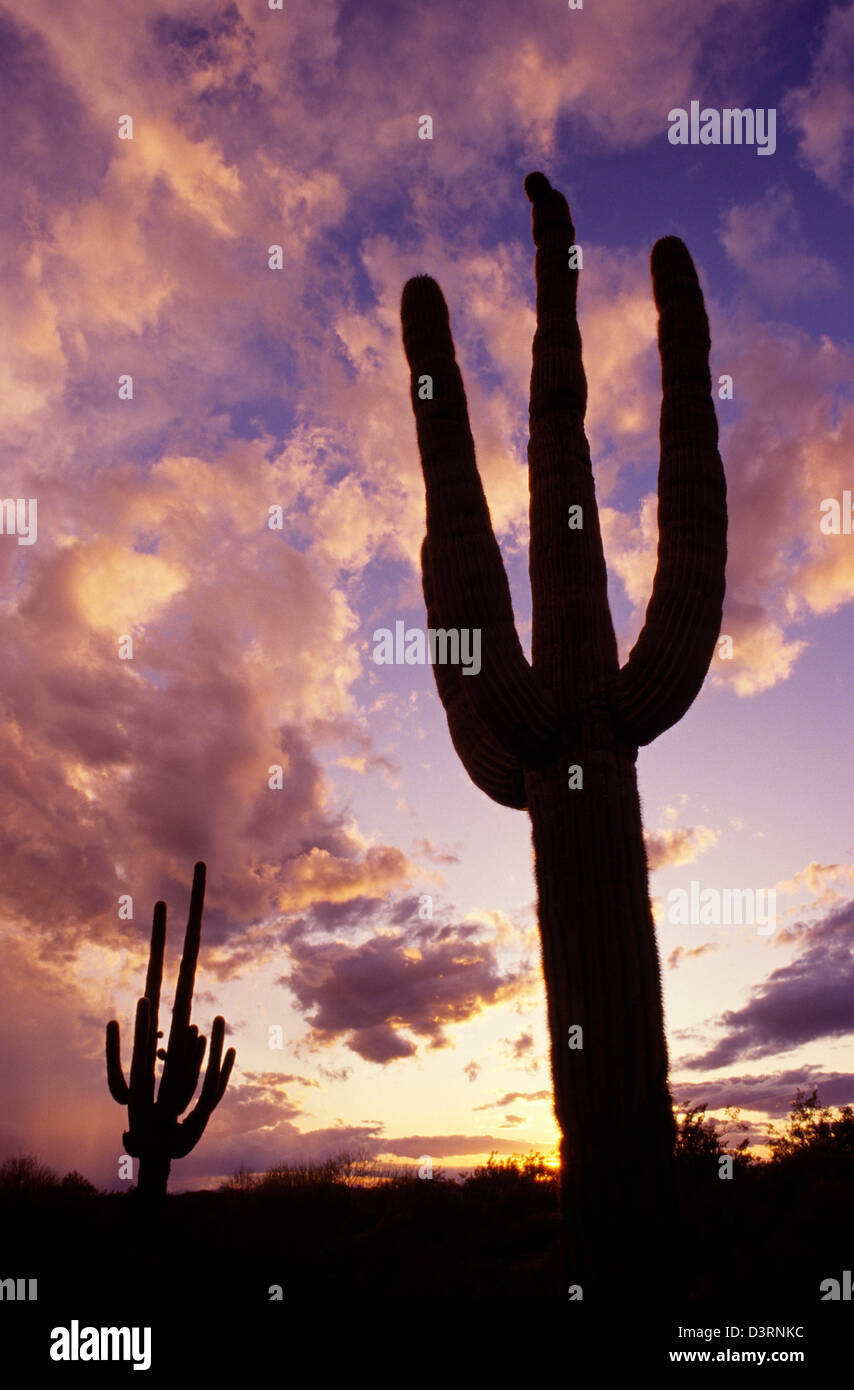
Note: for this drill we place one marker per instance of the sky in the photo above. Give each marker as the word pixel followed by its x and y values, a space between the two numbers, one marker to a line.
pixel 377 908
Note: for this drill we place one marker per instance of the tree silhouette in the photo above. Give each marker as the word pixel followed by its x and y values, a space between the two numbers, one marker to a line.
pixel 519 728
pixel 155 1135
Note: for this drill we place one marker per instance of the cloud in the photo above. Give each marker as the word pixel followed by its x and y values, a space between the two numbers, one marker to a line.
pixel 257 1151
pixel 786 451
pixel 682 953
pixel 678 846
pixel 520 1047
pixel 822 110
pixel 53 1071
pixel 256 388
pixel 816 879
pixel 511 1097
pixel 426 849
pixel 374 993
pixel 772 1092
pixel 765 240
pixel 318 876
pixel 446 1145
pixel 109 763
pixel 252 1105
pixel 802 1002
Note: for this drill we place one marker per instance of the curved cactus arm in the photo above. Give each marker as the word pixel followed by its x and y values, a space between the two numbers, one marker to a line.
pixel 671 657
pixel 145 1029
pixel 115 1076
pixel 486 762
pixel 195 1051
pixel 470 581
pixel 574 647
pixel 216 1079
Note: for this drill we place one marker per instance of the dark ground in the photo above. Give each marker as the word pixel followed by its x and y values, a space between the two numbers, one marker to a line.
pixel 754 1250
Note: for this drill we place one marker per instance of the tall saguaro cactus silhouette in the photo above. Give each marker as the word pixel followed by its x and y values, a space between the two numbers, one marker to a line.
pixel 156 1135
pixel 518 728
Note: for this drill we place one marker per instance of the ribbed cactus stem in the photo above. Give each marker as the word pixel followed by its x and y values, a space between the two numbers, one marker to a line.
pixel 518 727
pixel 156 1135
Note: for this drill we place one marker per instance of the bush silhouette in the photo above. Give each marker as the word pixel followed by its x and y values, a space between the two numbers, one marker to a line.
pixel 26 1175
pixel 813 1133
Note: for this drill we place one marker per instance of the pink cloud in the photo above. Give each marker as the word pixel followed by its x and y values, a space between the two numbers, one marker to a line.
pixel 822 110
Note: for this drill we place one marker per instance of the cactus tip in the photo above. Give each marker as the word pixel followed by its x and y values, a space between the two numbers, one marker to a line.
pixel 537 187
pixel 422 299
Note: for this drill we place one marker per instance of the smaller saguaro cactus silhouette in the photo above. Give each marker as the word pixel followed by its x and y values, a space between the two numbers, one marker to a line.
pixel 156 1135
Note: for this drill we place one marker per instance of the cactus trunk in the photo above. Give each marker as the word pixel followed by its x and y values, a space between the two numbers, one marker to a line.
pixel 153 1177
pixel 600 963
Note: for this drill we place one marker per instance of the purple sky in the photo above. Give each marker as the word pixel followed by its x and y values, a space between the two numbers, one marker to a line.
pixel 255 388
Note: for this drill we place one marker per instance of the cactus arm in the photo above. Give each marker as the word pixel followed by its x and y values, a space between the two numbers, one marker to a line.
pixel 558 382
pixel 488 765
pixel 671 657
pixel 179 1046
pixel 191 1068
pixel 210 1086
pixel 153 982
pixel 470 581
pixel 574 647
pixel 115 1076
pixel 216 1079
pixel 141 1030
pixel 225 1074
pixel 192 937
pixel 145 1030
pixel 142 1069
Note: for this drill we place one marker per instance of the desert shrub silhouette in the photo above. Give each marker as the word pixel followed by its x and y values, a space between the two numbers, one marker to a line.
pixel 347 1168
pixel 26 1174
pixel 156 1135
pixel 813 1134
pixel 702 1140
pixel 520 728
